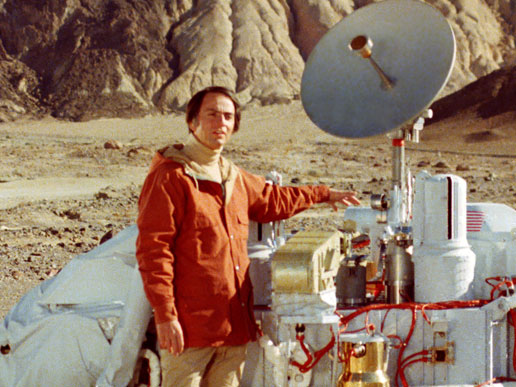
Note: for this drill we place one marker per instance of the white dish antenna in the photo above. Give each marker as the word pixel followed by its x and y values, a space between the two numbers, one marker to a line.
pixel 378 68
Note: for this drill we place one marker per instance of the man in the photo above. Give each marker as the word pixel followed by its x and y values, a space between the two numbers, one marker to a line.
pixel 194 212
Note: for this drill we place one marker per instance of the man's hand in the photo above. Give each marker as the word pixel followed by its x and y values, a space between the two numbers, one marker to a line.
pixel 346 198
pixel 170 336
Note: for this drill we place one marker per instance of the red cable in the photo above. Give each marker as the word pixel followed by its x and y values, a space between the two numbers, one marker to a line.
pixel 320 353
pixel 305 350
pixel 354 331
pixel 312 361
pixel 370 328
pixel 498 286
pixel 301 339
pixel 397 338
pixel 317 356
pixel 384 319
pixel 422 353
pixel 402 372
pixel 423 313
pixel 489 279
pixel 402 349
pixel 410 305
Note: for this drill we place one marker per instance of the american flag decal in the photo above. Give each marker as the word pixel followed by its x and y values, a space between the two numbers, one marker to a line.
pixel 475 220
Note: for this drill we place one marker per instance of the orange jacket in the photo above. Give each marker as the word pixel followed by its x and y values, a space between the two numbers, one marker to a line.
pixel 192 246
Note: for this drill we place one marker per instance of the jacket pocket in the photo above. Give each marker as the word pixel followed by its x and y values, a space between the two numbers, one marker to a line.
pixel 203 239
pixel 242 225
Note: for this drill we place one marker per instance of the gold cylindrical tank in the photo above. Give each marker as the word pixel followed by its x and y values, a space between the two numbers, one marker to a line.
pixel 364 360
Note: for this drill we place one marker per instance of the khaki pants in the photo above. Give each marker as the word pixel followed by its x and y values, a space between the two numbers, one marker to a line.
pixel 206 367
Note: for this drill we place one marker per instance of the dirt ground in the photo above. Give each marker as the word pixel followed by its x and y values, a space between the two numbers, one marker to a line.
pixel 64 187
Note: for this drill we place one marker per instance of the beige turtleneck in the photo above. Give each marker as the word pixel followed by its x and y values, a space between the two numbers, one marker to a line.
pixel 208 159
pixel 204 161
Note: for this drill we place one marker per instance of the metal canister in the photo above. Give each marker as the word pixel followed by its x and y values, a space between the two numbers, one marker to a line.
pixel 399 270
pixel 351 284
pixel 364 360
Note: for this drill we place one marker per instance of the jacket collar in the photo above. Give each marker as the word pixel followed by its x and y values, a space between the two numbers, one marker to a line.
pixel 194 169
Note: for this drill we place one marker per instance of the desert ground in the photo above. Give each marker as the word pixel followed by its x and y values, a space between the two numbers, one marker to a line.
pixel 65 187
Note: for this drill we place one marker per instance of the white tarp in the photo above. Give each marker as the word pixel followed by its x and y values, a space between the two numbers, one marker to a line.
pixel 84 327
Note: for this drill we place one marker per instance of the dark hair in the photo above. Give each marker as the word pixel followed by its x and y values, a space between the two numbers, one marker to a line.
pixel 193 107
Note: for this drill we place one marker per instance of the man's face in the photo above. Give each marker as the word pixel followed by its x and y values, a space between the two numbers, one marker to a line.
pixel 214 124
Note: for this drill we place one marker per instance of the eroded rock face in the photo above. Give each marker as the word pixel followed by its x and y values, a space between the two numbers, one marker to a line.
pixel 19 93
pixel 95 58
pixel 82 59
pixel 489 96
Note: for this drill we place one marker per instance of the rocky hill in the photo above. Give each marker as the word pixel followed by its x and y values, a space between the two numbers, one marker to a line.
pixel 83 59
pixel 490 96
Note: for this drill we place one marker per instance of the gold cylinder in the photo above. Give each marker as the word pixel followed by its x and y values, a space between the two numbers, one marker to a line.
pixel 364 361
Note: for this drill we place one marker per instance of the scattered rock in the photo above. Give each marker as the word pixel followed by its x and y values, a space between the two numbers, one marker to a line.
pixel 441 165
pixel 107 236
pixel 492 176
pixel 112 144
pixel 102 195
pixel 315 173
pixel 72 215
pixel 133 152
pixel 51 273
pixel 462 167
